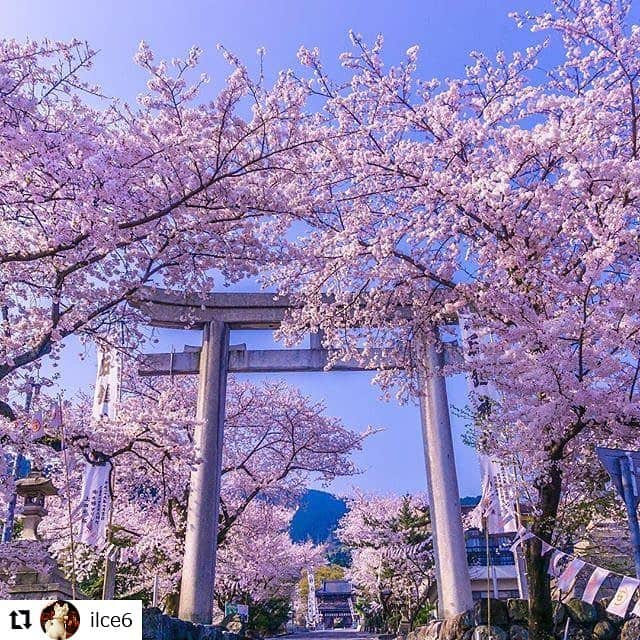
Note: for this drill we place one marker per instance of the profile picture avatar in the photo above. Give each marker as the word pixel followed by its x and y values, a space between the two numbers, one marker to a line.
pixel 60 620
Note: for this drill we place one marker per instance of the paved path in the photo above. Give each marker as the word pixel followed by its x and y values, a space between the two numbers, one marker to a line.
pixel 330 634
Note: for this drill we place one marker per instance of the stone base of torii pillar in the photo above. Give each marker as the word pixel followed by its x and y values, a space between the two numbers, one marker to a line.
pixel 216 315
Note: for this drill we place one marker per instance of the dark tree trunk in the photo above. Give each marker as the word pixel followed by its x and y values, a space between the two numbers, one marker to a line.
pixel 540 604
pixel 171 603
pixel 6 411
pixel 540 613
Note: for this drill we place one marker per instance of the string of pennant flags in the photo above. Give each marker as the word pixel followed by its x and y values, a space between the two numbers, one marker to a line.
pixel 565 567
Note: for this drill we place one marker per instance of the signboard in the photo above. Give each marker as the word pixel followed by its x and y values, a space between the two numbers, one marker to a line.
pixel 236 609
pixel 624 469
pixel 610 459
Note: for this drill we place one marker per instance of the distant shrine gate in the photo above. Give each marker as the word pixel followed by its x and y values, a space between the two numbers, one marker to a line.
pixel 216 315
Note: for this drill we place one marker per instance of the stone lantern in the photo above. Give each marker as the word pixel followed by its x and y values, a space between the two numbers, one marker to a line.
pixel 47 582
pixel 34 489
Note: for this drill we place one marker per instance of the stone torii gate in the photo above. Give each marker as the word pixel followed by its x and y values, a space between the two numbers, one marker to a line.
pixel 216 315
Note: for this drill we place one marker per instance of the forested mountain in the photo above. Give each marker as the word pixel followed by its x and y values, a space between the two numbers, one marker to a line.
pixel 317 516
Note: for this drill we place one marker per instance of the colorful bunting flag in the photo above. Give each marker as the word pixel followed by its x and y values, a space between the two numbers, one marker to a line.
pixel 36 425
pixel 569 575
pixel 566 568
pixel 555 563
pixel 523 535
pixel 56 418
pixel 622 598
pixel 596 579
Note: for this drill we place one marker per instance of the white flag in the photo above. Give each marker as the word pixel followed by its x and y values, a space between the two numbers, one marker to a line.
pixel 598 576
pixel 569 575
pixel 555 564
pixel 95 504
pixel 36 425
pixel 622 598
pixel 522 536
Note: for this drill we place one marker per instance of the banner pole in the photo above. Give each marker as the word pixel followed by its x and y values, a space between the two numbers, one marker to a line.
pixel 69 511
pixel 110 562
pixel 156 591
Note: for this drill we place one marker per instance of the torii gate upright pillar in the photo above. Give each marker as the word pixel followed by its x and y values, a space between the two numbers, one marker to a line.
pixel 452 572
pixel 198 570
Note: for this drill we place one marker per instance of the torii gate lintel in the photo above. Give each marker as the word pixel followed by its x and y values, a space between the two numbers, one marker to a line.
pixel 243 360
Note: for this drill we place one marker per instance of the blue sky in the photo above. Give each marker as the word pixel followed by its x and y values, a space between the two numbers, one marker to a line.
pixel 446 33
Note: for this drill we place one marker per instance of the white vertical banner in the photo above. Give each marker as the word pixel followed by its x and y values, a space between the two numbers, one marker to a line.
pixel 95 501
pixel 95 504
pixel 107 390
pixel 498 481
pixel 312 606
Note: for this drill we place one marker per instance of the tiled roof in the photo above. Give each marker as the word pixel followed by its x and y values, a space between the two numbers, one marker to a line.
pixel 335 586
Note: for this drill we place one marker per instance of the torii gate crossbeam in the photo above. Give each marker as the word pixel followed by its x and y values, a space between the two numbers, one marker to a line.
pixel 216 315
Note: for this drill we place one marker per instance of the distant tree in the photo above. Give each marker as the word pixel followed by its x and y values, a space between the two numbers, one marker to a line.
pixel 339 555
pixel 259 564
pixel 392 558
pixel 267 618
pixel 321 573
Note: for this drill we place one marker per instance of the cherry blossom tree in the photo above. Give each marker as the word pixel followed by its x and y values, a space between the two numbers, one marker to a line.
pixel 17 557
pixel 276 441
pixel 16 438
pixel 510 194
pixel 98 198
pixel 261 566
pixel 392 559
